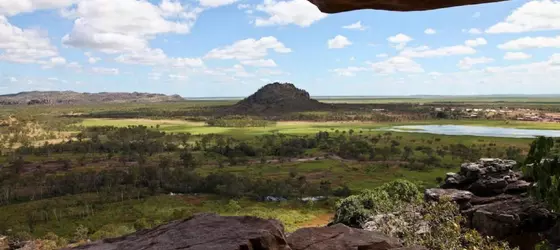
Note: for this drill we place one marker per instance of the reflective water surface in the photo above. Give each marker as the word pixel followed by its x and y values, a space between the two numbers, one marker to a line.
pixel 475 131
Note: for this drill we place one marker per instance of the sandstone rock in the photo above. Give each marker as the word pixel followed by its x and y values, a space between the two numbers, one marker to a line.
pixel 340 237
pixel 499 206
pixel 486 177
pixel 203 232
pixel 511 217
pixel 435 194
pixel 336 6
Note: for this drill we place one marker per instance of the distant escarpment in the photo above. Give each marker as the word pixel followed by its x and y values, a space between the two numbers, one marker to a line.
pixel 70 97
pixel 278 98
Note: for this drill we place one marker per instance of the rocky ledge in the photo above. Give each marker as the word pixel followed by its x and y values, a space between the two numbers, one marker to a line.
pixel 492 197
pixel 214 232
pixel 336 6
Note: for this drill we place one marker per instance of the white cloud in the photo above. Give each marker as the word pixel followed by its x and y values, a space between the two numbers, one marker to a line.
pixel 105 71
pixel 181 62
pixel 474 31
pixel 476 42
pixel 14 7
pixel 468 62
pixel 516 56
pixel 338 42
pixel 92 59
pixel 239 71
pixel 349 71
pixel 24 45
pixel 248 49
pixel 531 16
pixel 355 26
pixel 171 7
pixel 126 25
pixel 58 60
pixel 541 68
pixel 396 64
pixel 382 55
pixel 243 6
pixel 531 42
pixel 400 40
pixel 74 65
pixel 429 31
pixel 216 3
pixel 425 51
pixel 298 12
pixel 260 63
pixel 177 77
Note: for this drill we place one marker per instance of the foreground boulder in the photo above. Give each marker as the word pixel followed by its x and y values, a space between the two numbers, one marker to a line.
pixel 336 6
pixel 214 232
pixel 341 237
pixel 203 232
pixel 492 197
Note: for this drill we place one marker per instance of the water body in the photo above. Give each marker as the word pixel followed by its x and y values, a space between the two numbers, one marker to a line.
pixel 475 131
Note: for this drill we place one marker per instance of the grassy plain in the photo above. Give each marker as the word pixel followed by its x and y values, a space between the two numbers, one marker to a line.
pixel 62 215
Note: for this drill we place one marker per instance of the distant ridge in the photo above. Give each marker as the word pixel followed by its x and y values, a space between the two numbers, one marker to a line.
pixel 71 97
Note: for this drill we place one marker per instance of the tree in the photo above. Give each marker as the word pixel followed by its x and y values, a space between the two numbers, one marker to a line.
pixel 544 171
pixel 187 159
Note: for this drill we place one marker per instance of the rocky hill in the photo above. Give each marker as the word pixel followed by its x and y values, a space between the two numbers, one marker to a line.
pixel 70 97
pixel 278 98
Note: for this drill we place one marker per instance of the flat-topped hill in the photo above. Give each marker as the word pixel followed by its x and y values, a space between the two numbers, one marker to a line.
pixel 71 97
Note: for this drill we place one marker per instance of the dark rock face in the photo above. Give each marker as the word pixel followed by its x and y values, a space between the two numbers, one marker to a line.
pixel 336 6
pixel 493 199
pixel 278 98
pixel 341 237
pixel 487 177
pixel 214 232
pixel 203 232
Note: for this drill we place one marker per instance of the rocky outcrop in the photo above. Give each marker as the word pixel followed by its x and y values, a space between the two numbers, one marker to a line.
pixel 487 177
pixel 341 237
pixel 336 6
pixel 214 232
pixel 277 98
pixel 493 199
pixel 203 232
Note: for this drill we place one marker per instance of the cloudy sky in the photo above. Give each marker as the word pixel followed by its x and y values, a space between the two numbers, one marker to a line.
pixel 199 48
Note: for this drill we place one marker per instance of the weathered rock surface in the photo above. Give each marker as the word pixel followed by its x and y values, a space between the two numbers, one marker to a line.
pixel 336 6
pixel 497 205
pixel 340 237
pixel 214 232
pixel 487 177
pixel 203 232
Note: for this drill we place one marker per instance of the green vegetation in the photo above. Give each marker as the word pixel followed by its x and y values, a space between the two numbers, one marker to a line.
pixel 90 172
pixel 397 209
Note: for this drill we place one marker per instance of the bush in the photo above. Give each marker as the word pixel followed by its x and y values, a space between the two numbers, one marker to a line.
pixel 397 210
pixel 356 209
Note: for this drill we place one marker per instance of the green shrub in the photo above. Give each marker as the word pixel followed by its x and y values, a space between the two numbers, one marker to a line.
pixel 356 209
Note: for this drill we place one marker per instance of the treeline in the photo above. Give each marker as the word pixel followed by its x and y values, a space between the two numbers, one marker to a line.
pixel 169 175
pixel 239 121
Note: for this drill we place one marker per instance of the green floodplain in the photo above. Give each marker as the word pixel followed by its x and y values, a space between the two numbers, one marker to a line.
pixel 109 211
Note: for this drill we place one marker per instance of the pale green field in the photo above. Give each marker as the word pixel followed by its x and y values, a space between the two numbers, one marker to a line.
pixel 287 127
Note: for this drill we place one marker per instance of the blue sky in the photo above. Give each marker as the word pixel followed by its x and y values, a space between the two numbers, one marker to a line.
pixel 232 47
